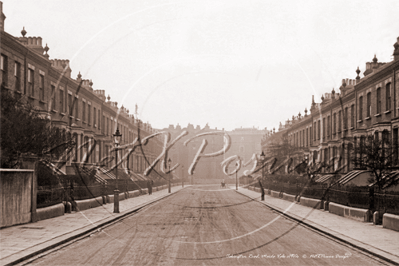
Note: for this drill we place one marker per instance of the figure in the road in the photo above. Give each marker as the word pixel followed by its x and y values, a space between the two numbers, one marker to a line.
pixel 222 184
pixel 262 190
pixel 149 186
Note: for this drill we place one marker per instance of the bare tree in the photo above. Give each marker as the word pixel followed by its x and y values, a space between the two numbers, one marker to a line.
pixel 25 132
pixel 376 156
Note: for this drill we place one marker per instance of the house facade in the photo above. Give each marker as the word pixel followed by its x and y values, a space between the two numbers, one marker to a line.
pixel 334 127
pixel 72 104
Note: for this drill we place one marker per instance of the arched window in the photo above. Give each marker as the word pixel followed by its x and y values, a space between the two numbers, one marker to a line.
pixel 361 149
pixel 81 148
pixel 395 146
pixel 85 150
pixel 349 149
pixel 385 137
pixel 361 108
pixel 378 100
pixel 318 129
pixel 99 151
pixel 355 149
pixel 388 96
pixel 75 149
pixel 368 104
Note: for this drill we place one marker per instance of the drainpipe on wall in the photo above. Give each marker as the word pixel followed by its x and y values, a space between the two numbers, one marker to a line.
pixel 394 93
pixel 25 71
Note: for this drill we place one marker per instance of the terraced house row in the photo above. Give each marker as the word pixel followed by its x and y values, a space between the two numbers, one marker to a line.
pixel 336 125
pixel 71 104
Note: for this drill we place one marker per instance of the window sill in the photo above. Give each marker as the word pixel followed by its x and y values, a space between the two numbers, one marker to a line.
pixel 43 102
pixel 359 121
pixel 367 118
pixel 387 112
pixel 54 111
pixel 72 117
pixel 62 114
pixel 31 97
pixel 345 129
pixel 377 115
pixel 351 128
pixel 77 119
pixel 83 122
pixel 19 92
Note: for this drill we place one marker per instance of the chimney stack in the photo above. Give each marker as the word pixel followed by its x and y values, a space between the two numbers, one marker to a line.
pixel 2 17
pixel 396 51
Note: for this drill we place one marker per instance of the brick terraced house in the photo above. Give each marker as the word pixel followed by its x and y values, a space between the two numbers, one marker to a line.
pixel 335 126
pixel 71 104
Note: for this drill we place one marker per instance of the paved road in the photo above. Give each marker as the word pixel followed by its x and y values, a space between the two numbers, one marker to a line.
pixel 205 225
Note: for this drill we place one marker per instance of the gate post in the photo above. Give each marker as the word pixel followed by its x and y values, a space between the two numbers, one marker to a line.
pixel 34 193
pixel 371 199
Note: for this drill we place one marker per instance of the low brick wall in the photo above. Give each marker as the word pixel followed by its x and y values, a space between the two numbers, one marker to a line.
pixel 314 203
pixel 50 212
pixel 257 189
pixel 122 196
pixel 337 209
pixel 134 193
pixel 81 205
pixel 289 197
pixel 275 194
pixel 110 198
pixel 99 201
pixel 362 215
pixel 87 204
pixel 325 205
pixel 390 221
pixel 144 191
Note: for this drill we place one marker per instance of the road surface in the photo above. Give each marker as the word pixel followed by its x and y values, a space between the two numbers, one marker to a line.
pixel 206 225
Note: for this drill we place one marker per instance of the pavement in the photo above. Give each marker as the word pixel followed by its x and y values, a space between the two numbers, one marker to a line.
pixel 373 239
pixel 205 225
pixel 20 242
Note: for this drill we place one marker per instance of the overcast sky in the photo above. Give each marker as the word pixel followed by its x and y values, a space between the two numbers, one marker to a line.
pixel 228 63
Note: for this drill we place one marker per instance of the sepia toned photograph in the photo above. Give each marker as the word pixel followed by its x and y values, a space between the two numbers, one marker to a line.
pixel 212 132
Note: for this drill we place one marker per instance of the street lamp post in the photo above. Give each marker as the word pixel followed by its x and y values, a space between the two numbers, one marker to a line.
pixel 169 162
pixel 262 157
pixel 182 176
pixel 236 176
pixel 117 139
